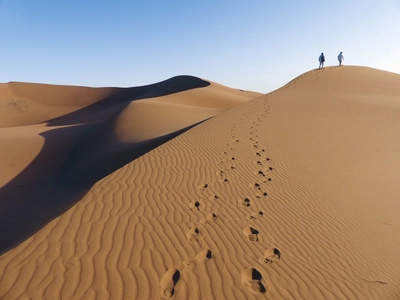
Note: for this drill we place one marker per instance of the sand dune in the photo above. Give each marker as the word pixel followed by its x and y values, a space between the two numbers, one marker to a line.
pixel 291 195
pixel 49 164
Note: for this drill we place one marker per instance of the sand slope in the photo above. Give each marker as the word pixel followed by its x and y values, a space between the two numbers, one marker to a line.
pixel 49 164
pixel 292 195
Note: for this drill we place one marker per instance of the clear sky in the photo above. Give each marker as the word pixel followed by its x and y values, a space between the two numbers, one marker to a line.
pixel 256 45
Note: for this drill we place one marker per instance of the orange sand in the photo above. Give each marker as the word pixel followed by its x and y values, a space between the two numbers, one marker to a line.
pixel 289 195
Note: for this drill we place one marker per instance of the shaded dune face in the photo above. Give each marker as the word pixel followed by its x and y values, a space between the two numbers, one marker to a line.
pixel 93 132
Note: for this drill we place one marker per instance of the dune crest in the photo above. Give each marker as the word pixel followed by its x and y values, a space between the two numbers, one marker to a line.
pixel 292 195
pixel 70 137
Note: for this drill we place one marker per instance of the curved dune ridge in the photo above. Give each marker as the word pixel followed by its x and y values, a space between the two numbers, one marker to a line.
pixel 291 195
pixel 59 140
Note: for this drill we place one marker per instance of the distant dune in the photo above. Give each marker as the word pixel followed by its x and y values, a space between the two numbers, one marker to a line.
pixel 57 141
pixel 187 189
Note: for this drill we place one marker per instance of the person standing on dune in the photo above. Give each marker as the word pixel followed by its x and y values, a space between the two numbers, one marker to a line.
pixel 321 60
pixel 340 58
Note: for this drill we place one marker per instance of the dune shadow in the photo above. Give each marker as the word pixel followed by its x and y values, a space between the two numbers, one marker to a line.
pixel 46 188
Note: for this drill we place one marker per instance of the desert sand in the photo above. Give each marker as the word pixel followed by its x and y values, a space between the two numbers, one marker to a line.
pixel 187 189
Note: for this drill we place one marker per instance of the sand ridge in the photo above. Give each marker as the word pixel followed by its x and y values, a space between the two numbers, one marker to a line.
pixel 275 198
pixel 93 132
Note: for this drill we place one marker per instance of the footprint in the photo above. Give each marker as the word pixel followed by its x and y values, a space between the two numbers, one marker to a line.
pixel 255 215
pixel 251 278
pixel 270 255
pixel 193 234
pixel 222 176
pixel 256 186
pixel 168 282
pixel 211 217
pixel 244 202
pixel 251 234
pixel 203 186
pixel 203 256
pixel 259 173
pixel 194 205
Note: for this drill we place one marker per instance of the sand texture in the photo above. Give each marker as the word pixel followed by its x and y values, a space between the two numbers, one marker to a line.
pixel 126 194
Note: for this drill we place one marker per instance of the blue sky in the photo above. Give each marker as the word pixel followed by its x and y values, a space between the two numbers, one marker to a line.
pixel 255 45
